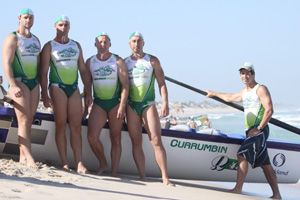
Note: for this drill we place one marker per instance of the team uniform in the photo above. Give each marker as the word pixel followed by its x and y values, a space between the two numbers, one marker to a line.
pixel 141 83
pixel 254 148
pixel 25 61
pixel 106 84
pixel 64 66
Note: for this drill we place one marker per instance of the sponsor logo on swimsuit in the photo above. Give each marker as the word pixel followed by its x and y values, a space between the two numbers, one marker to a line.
pixel 104 71
pixel 279 160
pixel 223 162
pixel 67 53
pixel 248 101
pixel 136 70
pixel 32 48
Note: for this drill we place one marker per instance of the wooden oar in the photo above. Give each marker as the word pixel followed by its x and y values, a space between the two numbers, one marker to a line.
pixel 239 107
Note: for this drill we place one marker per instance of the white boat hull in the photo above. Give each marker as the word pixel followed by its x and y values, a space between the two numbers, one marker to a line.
pixel 190 156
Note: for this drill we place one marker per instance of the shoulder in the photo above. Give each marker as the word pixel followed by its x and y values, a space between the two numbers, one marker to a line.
pixel 120 62
pixel 89 59
pixel 12 37
pixel 154 61
pixel 36 37
pixel 77 43
pixel 47 46
pixel 262 89
pixel 118 58
pixel 127 59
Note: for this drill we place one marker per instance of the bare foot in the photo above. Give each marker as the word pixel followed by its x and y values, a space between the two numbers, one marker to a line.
pixel 31 164
pixel 142 179
pixel 22 160
pixel 101 170
pixel 66 167
pixel 236 191
pixel 114 175
pixel 276 196
pixel 81 169
pixel 167 182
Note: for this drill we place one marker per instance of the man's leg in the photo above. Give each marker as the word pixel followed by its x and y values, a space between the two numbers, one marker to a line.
pixel 34 102
pixel 272 180
pixel 241 174
pixel 75 119
pixel 59 106
pixel 97 120
pixel 152 125
pixel 115 127
pixel 24 115
pixel 134 125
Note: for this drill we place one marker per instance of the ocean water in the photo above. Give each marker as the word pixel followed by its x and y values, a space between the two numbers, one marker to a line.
pixel 234 123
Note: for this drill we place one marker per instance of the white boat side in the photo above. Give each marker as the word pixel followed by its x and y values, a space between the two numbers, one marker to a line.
pixel 189 155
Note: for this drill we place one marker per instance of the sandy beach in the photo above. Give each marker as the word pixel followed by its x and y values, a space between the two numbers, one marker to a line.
pixel 49 182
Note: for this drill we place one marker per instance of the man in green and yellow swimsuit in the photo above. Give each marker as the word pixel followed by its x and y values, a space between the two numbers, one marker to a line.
pixel 21 57
pixel 143 69
pixel 111 87
pixel 65 58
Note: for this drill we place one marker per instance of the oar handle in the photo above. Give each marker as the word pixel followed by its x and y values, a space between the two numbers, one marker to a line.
pixel 239 107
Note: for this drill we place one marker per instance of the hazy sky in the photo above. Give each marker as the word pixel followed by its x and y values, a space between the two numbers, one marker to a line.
pixel 201 43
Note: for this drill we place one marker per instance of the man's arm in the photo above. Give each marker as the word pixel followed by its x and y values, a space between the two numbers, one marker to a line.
pixel 43 73
pixel 8 52
pixel 265 98
pixel 86 107
pixel 160 78
pixel 237 97
pixel 124 79
pixel 86 78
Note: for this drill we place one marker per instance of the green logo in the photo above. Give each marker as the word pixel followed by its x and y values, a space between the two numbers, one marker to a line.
pixel 67 52
pixel 223 162
pixel 32 48
pixel 136 70
pixel 198 146
pixel 104 71
pixel 248 101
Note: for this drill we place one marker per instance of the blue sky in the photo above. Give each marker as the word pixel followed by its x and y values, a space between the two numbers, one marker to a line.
pixel 201 43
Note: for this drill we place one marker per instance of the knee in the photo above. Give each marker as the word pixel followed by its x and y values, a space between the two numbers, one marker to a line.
pixel 60 125
pixel 92 138
pixel 25 123
pixel 75 128
pixel 136 143
pixel 115 140
pixel 156 141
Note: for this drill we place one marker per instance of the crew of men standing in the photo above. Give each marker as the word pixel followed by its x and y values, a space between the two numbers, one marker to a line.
pixel 115 93
pixel 118 91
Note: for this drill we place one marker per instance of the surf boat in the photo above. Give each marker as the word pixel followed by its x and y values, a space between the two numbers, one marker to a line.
pixel 195 156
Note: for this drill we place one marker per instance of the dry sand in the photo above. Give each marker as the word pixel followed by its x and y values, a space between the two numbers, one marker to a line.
pixel 48 182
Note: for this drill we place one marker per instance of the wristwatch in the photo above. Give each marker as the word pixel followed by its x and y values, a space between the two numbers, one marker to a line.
pixel 258 128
